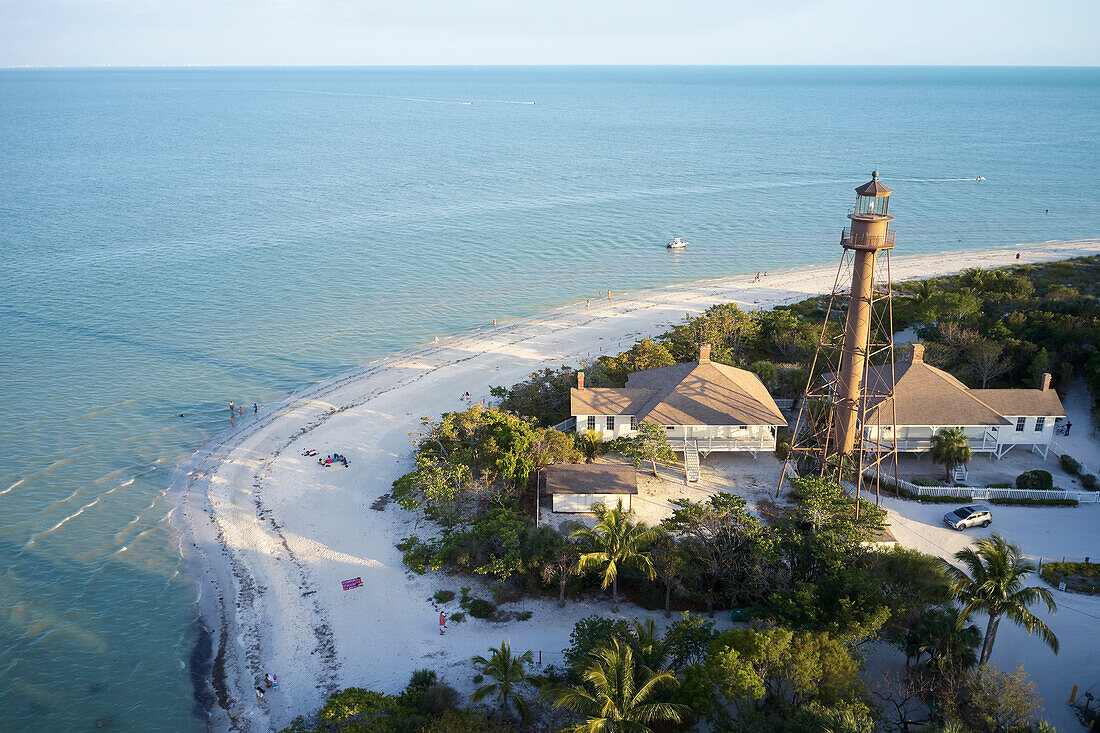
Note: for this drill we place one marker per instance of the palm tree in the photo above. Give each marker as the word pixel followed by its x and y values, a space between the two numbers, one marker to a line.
pixel 951 447
pixel 973 278
pixel 613 699
pixel 650 648
pixel 993 583
pixel 590 443
pixel 509 673
pixel 950 647
pixel 924 290
pixel 613 543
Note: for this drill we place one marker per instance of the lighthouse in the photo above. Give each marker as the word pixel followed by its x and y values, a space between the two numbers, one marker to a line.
pixel 867 235
pixel 832 434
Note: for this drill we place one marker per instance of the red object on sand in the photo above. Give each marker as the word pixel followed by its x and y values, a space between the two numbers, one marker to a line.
pixel 353 583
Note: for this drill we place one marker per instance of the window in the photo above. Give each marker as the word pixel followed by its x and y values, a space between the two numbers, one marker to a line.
pixel 633 422
pixel 1020 422
pixel 1039 424
pixel 591 422
pixel 610 422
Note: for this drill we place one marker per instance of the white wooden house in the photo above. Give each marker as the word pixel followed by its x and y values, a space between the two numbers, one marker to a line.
pixel 713 406
pixel 927 399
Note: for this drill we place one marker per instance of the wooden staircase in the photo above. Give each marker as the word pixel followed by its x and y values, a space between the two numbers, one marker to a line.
pixel 691 460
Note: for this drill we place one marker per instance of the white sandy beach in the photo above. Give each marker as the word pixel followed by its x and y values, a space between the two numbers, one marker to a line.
pixel 272 534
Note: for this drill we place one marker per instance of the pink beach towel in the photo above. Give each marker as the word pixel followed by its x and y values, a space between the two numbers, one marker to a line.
pixel 353 583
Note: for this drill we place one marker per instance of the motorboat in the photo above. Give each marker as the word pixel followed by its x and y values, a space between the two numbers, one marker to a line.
pixel 676 243
pixel 980 178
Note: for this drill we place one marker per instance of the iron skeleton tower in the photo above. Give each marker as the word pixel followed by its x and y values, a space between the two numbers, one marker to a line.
pixel 833 433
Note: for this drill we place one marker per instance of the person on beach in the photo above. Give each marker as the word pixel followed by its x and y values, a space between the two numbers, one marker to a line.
pixel 269 680
pixel 442 622
pixel 255 408
pixel 1068 426
pixel 1017 255
pixel 259 694
pixel 240 410
pixel 230 408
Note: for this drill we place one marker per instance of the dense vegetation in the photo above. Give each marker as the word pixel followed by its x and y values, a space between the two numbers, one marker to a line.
pixel 812 590
pixel 990 328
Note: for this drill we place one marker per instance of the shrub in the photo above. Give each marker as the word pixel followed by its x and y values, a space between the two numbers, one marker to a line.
pixel 782 443
pixel 478 679
pixel 457 618
pixel 444 596
pixel 1002 485
pixel 1057 572
pixel 421 680
pixel 524 616
pixel 1070 464
pixel 438 699
pixel 1034 502
pixel 480 608
pixel 420 557
pixel 1088 481
pixel 1035 480
pixel 922 481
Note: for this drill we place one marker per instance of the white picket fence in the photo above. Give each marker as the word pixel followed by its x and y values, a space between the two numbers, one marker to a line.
pixel 976 492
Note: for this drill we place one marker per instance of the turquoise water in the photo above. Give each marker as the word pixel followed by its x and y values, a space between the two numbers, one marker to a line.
pixel 176 239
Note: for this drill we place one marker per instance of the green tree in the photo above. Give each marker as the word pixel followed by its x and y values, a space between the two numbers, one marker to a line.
pixel 951 448
pixel 649 443
pixel 1040 364
pixel 998 701
pixel 992 582
pixel 545 395
pixel 549 446
pixel 732 333
pixel 950 647
pixel 614 543
pixel 508 672
pixel 669 564
pixel 561 565
pixel 719 538
pixel 949 306
pixel 767 372
pixel 617 697
pixel 645 354
pixel 778 669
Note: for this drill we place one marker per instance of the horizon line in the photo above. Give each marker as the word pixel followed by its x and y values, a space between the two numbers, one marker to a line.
pixel 31 67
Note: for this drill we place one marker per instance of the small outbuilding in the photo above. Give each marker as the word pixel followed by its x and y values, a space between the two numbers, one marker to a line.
pixel 574 488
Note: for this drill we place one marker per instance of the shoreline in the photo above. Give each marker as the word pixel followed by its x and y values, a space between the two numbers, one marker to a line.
pixel 263 534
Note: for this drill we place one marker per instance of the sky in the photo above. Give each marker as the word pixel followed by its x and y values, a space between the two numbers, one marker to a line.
pixel 484 32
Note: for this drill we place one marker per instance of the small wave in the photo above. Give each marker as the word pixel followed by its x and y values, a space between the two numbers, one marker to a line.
pixel 78 512
pixel 14 486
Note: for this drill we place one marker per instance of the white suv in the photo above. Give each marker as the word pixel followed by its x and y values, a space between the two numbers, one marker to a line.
pixel 968 516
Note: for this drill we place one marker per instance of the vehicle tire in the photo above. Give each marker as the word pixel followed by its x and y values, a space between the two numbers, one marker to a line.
pixel 960 527
pixel 985 523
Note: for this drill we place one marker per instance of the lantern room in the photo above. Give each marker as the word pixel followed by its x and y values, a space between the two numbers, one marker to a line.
pixel 872 200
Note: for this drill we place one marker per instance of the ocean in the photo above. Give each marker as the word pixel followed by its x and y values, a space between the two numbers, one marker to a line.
pixel 176 239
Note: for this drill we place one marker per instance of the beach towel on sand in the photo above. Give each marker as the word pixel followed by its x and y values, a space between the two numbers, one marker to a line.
pixel 353 583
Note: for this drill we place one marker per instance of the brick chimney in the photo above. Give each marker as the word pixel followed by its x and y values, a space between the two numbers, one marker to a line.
pixel 1044 381
pixel 580 380
pixel 704 353
pixel 918 353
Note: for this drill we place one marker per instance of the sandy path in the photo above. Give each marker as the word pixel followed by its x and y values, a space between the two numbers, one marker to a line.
pixel 271 534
